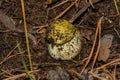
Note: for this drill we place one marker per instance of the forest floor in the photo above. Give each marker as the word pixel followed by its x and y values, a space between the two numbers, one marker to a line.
pixel 84 15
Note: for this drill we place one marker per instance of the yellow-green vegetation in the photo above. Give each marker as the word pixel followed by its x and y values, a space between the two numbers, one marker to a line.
pixel 23 61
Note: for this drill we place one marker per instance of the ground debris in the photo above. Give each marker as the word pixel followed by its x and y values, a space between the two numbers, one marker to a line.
pixel 58 74
pixel 106 42
pixel 40 13
pixel 7 21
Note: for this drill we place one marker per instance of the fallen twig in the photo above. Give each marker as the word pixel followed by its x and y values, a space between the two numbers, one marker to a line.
pixel 98 48
pixel 20 75
pixel 82 10
pixel 114 73
pixel 61 14
pixel 95 75
pixel 117 32
pixel 115 2
pixel 59 4
pixel 93 46
pixel 9 57
pixel 26 34
pixel 114 61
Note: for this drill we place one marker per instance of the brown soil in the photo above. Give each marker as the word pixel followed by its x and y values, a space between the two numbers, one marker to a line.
pixel 37 15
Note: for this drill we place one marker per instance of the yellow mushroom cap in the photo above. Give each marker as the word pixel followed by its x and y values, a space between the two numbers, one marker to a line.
pixel 61 31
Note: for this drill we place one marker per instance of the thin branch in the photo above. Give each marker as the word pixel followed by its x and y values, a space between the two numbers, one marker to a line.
pixel 93 46
pixel 26 33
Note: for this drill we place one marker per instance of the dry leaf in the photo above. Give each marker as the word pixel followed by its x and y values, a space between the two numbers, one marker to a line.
pixel 106 42
pixel 7 21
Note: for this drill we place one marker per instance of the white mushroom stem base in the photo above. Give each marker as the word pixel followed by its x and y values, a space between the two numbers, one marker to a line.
pixel 68 50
